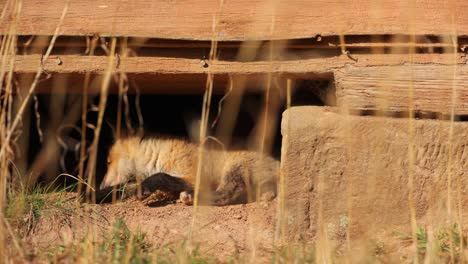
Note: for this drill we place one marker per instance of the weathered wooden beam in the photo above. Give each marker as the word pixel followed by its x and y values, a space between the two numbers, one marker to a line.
pixel 176 84
pixel 160 65
pixel 238 20
pixel 421 87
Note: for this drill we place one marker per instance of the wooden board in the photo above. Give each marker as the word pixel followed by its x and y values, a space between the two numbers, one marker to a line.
pixel 161 65
pixel 389 88
pixel 175 84
pixel 240 19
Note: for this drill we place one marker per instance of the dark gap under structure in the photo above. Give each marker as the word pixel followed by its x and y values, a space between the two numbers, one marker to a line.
pixel 163 114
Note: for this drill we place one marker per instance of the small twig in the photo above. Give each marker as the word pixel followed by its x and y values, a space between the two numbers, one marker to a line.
pixel 17 86
pixel 128 120
pixel 43 67
pixel 91 126
pixel 76 178
pixel 93 108
pixel 215 140
pixel 76 151
pixel 5 8
pixel 220 104
pixel 104 45
pixel 88 45
pixel 138 106
pixel 47 77
pixel 348 53
pixel 38 119
pixel 64 145
pixel 27 44
pixel 117 66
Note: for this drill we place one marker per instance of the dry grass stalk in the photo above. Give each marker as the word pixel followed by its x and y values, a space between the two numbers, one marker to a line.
pixel 102 105
pixel 84 120
pixel 452 39
pixel 199 179
pixel 7 53
pixel 282 220
pixel 30 93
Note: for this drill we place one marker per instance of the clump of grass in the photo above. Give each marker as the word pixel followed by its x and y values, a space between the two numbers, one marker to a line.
pixel 441 245
pixel 24 208
pixel 294 254
pixel 118 245
pixel 180 253
pixel 121 245
pixel 124 244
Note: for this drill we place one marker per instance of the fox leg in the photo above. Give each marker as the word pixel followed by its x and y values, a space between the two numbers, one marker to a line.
pixel 164 182
pixel 167 183
pixel 233 187
pixel 186 197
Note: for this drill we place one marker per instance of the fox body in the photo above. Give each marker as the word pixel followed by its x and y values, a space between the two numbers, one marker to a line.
pixel 226 177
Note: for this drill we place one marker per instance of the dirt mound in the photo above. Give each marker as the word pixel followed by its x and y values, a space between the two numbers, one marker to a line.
pixel 226 232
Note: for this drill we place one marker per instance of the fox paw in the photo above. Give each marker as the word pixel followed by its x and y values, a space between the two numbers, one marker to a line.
pixel 186 198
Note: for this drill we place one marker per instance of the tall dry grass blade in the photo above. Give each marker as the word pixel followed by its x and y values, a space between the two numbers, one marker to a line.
pixel 199 179
pixel 452 39
pixel 84 118
pixel 268 119
pixel 220 104
pixel 282 215
pixel 411 155
pixel 97 132
pixel 7 53
pixel 121 84
pixel 35 81
pixel 5 8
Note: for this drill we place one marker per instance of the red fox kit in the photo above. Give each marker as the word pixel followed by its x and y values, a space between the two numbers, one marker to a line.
pixel 227 177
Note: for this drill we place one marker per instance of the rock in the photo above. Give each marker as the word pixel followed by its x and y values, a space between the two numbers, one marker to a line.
pixel 361 167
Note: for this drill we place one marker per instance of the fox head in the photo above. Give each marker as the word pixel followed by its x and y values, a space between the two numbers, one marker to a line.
pixel 120 162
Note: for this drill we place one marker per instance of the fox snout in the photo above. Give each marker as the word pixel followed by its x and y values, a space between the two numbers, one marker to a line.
pixel 116 175
pixel 110 179
pixel 105 183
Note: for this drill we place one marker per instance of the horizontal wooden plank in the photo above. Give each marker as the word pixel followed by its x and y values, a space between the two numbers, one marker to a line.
pixel 161 65
pixel 240 19
pixel 145 83
pixel 389 88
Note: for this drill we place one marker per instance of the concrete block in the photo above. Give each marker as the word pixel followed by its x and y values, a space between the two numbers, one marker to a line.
pixel 360 174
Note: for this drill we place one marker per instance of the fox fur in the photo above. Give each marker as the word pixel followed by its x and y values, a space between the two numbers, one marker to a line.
pixel 226 177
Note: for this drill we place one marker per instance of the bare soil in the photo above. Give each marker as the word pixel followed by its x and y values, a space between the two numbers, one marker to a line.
pixel 243 233
pixel 228 232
